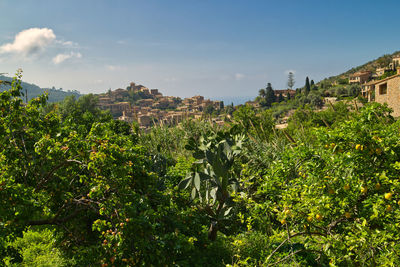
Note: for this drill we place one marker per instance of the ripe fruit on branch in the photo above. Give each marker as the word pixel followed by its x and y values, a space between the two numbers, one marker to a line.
pixel 286 210
pixel 388 196
pixel 364 190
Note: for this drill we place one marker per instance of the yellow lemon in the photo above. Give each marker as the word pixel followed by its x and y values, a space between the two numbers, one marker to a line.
pixel 378 186
pixel 283 221
pixel 318 217
pixel 388 208
pixel 347 215
pixel 309 219
pixel 363 190
pixel 388 196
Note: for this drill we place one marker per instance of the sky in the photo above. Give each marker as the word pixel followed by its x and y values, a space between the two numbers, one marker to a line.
pixel 215 48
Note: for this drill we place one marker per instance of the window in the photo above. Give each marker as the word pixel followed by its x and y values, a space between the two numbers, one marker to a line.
pixel 383 89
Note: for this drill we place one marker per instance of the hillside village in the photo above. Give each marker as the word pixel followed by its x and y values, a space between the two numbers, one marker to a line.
pixel 382 86
pixel 151 107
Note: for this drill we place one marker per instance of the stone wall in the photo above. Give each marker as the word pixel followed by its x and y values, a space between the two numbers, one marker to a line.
pixel 392 95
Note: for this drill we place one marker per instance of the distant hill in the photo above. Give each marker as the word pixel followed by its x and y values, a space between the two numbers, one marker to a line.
pixel 55 95
pixel 372 65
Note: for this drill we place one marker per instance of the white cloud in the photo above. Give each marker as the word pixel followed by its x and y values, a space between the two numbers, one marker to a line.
pixel 29 42
pixel 114 67
pixel 68 44
pixel 62 57
pixel 239 76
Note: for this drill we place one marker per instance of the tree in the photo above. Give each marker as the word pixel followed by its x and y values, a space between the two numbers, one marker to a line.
pixel 209 109
pixel 384 61
pixel 76 176
pixel 291 81
pixel 262 93
pixel 280 98
pixel 307 86
pixel 269 95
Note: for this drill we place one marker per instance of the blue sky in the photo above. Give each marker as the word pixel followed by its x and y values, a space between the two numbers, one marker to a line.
pixel 188 47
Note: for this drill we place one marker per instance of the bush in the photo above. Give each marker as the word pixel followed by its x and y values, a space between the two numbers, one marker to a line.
pixel 38 248
pixel 338 195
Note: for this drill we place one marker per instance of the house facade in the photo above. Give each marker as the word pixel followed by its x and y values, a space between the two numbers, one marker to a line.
pixel 285 92
pixel 388 91
pixel 360 77
pixel 396 61
pixel 368 90
pixel 385 91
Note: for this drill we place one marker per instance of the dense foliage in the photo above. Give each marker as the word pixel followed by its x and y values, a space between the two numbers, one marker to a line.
pixel 78 188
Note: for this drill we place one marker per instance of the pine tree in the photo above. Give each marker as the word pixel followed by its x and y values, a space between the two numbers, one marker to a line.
pixel 291 80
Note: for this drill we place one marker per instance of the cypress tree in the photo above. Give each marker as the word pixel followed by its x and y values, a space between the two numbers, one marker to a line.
pixel 307 86
pixel 269 95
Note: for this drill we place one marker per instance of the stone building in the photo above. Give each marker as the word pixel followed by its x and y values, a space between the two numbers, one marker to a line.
pixel 360 77
pixel 145 102
pixel 285 92
pixel 368 90
pixel 144 120
pixel 385 91
pixel 117 109
pixel 396 61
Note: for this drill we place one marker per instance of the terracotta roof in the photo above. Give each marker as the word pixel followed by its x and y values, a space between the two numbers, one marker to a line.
pixel 369 83
pixel 359 73
pixel 386 79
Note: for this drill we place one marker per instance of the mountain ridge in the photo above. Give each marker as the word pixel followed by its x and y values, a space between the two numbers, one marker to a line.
pixel 55 95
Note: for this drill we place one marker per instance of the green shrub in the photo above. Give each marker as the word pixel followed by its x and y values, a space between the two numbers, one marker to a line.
pixel 38 248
